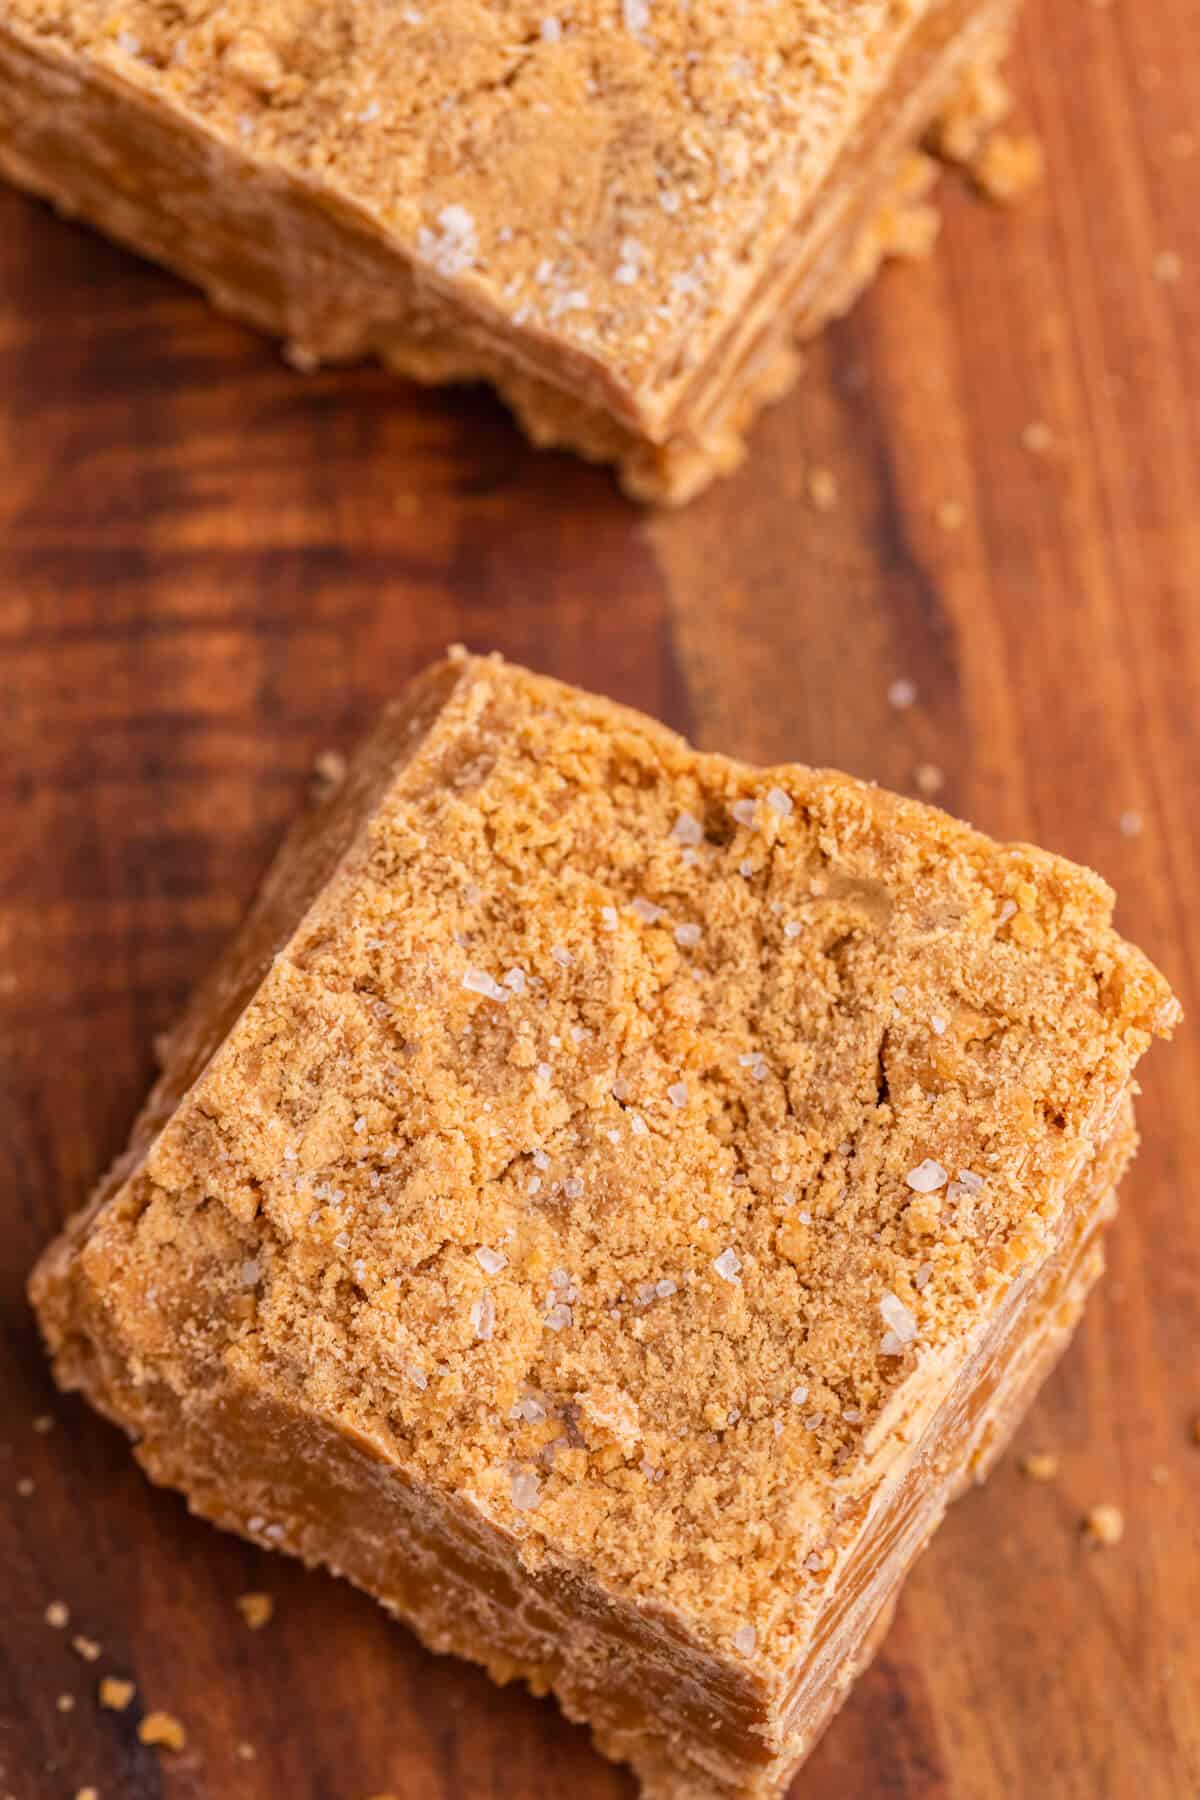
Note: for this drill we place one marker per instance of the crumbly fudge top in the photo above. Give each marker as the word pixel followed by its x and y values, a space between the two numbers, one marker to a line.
pixel 610 173
pixel 623 1126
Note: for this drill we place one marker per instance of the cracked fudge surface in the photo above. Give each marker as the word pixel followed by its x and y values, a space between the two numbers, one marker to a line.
pixel 628 1147
pixel 608 199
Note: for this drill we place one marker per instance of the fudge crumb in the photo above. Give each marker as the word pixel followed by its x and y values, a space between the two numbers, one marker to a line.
pixel 86 1647
pixel 58 1614
pixel 246 1752
pixel 43 1424
pixel 1036 437
pixel 950 515
pixel 162 1728
pixel 65 1703
pixel 1039 1465
pixel 87 1793
pixel 1103 1525
pixel 256 1609
pixel 328 773
pixel 982 100
pixel 1008 166
pixel 1168 266
pixel 929 778
pixel 823 489
pixel 115 1694
pixel 25 1487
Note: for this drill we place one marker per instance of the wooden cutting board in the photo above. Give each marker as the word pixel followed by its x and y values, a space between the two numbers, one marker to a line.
pixel 212 568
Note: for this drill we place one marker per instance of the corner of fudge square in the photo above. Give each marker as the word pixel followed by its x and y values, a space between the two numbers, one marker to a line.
pixel 641 1188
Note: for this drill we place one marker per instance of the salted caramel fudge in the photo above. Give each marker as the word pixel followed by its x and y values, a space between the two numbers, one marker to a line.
pixel 607 1203
pixel 620 213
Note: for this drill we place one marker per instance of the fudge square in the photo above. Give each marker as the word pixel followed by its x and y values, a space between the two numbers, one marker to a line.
pixel 609 1201
pixel 619 214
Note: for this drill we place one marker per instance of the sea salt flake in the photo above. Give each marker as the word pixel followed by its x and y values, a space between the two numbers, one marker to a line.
pixel 515 979
pixel 897 1318
pixel 687 830
pixel 483 1317
pixel 573 1187
pixel 551 31
pixel 921 1278
pixel 418 1377
pixel 938 1023
pixel 526 1491
pixel 490 1261
pixel 360 1124
pixel 561 955
pixel 635 15
pixel 746 868
pixel 744 811
pixel 539 1159
pixel 967 1178
pixel 792 928
pixel 608 917
pixel 530 1410
pixel 927 1177
pixel 646 910
pixel 727 1265
pixel 799 1395
pixel 779 802
pixel 638 1125
pixel 902 693
pixel 128 43
pixel 677 1093
pixel 478 981
pixel 454 247
pixel 558 1317
pixel 369 113
pixel 744 1640
pixel 664 1288
pixel 251 1271
pixel 687 936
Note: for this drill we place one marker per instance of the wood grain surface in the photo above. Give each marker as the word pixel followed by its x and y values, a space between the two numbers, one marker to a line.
pixel 212 568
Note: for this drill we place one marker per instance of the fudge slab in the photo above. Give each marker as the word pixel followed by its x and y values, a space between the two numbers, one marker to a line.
pixel 608 1202
pixel 620 216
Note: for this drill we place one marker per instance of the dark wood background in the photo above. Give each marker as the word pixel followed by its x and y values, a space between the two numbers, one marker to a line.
pixel 212 568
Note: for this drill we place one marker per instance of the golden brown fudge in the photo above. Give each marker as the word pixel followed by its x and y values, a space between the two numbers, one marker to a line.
pixel 619 213
pixel 609 1201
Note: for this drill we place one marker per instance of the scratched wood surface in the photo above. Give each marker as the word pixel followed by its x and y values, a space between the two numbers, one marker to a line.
pixel 211 568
